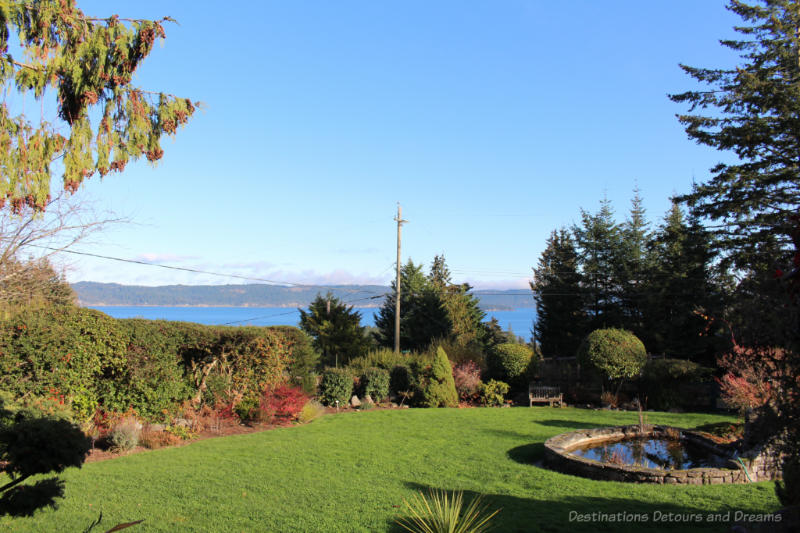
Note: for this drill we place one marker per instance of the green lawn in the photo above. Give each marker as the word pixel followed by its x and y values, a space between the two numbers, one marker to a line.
pixel 350 472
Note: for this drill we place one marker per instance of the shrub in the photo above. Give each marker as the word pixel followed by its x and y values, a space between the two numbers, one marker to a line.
pixel 311 411
pixel 462 352
pixel 512 363
pixel 60 347
pixel 401 379
pixel 336 384
pixel 437 388
pixel 180 432
pixel 383 358
pixel 282 403
pixel 32 446
pixel 669 383
pixel 247 409
pixel 440 513
pixel 303 361
pixel 83 404
pixel 494 393
pixel 125 434
pixel 616 353
pixel 158 439
pixel 788 489
pixel 610 399
pixel 375 383
pixel 467 378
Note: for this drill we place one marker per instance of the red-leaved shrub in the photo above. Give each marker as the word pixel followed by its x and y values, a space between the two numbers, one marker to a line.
pixel 752 376
pixel 282 403
pixel 467 377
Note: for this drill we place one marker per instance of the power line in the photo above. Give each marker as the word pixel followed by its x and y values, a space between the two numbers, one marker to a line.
pixel 187 269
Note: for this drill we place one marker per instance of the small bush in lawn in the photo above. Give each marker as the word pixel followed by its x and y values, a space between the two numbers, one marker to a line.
pixel 467 377
pixel 311 411
pixel 125 434
pixel 375 384
pixel 336 384
pixel 494 393
pixel 283 403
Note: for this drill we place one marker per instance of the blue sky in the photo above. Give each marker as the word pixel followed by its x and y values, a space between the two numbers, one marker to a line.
pixel 491 122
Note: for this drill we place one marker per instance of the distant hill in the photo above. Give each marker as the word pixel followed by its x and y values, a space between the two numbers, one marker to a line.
pixel 260 295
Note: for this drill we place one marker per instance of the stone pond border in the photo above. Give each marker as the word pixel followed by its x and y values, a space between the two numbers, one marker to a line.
pixel 558 457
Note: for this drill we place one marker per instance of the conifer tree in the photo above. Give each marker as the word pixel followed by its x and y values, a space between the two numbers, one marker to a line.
pixel 560 318
pixel 88 65
pixel 423 316
pixel 598 241
pixel 462 308
pixel 751 110
pixel 681 289
pixel 633 265
pixel 336 329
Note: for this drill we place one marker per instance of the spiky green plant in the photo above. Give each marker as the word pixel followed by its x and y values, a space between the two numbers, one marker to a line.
pixel 443 513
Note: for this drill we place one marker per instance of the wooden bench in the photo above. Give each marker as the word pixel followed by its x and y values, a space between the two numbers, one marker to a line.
pixel 541 393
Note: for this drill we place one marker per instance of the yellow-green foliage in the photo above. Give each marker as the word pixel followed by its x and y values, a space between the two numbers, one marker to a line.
pixel 88 63
pixel 383 358
pixel 512 362
pixel 437 387
pixel 616 353
pixel 311 411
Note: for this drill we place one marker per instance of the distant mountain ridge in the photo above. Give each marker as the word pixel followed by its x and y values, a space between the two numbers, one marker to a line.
pixel 91 293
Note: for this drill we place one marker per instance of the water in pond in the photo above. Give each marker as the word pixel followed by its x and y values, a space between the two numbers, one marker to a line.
pixel 668 454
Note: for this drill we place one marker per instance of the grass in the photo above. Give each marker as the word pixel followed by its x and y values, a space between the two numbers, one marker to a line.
pixel 351 472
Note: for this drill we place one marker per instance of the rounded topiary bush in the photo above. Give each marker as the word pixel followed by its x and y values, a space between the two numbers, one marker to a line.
pixel 511 362
pixel 616 353
pixel 336 384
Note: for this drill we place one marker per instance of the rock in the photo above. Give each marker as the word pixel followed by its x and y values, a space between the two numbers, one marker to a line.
pixel 368 399
pixel 182 422
pixel 355 402
pixel 156 427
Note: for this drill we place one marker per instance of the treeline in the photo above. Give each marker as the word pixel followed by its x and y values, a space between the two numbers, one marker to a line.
pixel 664 284
pixel 260 295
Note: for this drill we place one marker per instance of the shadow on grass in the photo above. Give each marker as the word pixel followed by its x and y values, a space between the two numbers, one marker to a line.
pixel 567 424
pixel 527 454
pixel 525 515
pixel 509 433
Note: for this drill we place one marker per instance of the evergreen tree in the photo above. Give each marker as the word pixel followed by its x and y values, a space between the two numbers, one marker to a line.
pixel 633 265
pixel 336 329
pixel 681 289
pixel 599 244
pixel 462 308
pixel 560 319
pixel 89 64
pixel 423 316
pixel 752 111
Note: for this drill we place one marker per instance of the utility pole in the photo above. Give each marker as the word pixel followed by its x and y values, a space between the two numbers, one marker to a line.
pixel 400 222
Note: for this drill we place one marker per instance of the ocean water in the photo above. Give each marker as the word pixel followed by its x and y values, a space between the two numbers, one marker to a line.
pixel 519 320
